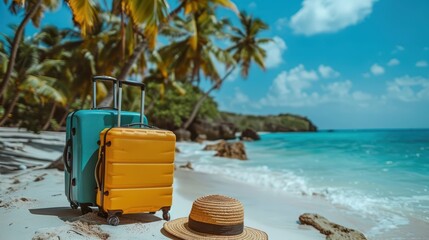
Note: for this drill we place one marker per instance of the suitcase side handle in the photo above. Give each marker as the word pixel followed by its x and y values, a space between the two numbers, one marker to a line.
pixel 95 79
pixel 67 155
pixel 142 96
pixel 97 168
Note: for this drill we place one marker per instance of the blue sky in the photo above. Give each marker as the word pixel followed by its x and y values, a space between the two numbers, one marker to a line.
pixel 343 64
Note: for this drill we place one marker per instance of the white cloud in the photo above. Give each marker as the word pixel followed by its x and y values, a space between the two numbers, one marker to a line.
pixel 398 48
pixel 240 97
pixel 340 89
pixel 361 96
pixel 326 16
pixel 421 64
pixel 409 89
pixel 294 88
pixel 377 69
pixel 288 88
pixel 393 62
pixel 328 72
pixel 275 51
pixel 252 5
pixel 281 23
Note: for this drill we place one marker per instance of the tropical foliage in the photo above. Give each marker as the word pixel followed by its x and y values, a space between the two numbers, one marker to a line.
pixel 47 76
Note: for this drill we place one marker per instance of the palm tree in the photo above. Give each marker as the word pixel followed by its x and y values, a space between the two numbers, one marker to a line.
pixel 245 50
pixel 34 12
pixel 29 81
pixel 195 53
pixel 151 15
pixel 194 6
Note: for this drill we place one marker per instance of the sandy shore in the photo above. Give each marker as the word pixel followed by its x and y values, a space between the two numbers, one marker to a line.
pixel 33 204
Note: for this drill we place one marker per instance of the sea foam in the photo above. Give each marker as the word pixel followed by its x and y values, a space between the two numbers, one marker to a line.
pixel 381 210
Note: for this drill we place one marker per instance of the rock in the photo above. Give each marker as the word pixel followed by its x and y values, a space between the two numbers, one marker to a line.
pixel 229 150
pixel 215 147
pixel 249 135
pixel 40 178
pixel 182 135
pixel 58 164
pixel 188 165
pixel 201 138
pixel 212 131
pixel 332 230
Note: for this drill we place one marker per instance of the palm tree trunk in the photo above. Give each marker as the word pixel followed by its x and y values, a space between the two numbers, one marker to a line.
pixel 83 97
pixel 151 105
pixel 125 70
pixel 202 98
pixel 15 45
pixel 51 115
pixel 10 109
pixel 64 117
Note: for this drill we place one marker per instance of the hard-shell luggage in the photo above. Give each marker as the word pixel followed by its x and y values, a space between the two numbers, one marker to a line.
pixel 83 128
pixel 135 170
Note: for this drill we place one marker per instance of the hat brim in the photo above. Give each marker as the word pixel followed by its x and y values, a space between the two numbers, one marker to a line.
pixel 179 228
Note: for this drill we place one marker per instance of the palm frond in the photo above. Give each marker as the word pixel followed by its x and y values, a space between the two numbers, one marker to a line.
pixel 84 14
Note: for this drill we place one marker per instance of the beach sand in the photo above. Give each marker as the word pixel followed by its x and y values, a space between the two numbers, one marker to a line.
pixel 33 205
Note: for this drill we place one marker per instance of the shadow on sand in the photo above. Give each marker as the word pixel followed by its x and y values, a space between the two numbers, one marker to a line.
pixel 71 215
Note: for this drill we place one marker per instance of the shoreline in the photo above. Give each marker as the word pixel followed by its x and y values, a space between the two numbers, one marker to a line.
pixel 33 203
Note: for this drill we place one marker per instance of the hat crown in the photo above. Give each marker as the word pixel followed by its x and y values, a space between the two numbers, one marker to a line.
pixel 218 210
pixel 214 217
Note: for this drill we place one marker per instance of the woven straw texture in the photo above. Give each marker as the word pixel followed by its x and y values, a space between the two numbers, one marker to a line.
pixel 217 209
pixel 214 209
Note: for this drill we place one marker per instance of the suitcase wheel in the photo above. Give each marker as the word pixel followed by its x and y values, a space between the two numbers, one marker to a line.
pixel 85 209
pixel 73 205
pixel 102 214
pixel 113 220
pixel 166 216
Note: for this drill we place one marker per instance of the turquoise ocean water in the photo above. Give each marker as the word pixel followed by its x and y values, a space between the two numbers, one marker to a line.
pixel 380 174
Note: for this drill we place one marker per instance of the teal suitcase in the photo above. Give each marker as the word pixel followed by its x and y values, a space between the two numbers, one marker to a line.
pixel 83 129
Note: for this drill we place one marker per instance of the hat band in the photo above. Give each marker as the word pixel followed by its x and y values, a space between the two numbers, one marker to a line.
pixel 223 230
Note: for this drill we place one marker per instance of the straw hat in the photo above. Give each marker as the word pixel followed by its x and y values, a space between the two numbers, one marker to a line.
pixel 214 217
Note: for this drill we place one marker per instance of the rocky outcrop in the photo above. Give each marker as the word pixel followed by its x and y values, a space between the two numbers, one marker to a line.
pixel 201 138
pixel 270 123
pixel 182 135
pixel 234 150
pixel 332 230
pixel 212 131
pixel 249 135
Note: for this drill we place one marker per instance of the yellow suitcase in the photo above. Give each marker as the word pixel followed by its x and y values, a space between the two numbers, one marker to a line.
pixel 135 170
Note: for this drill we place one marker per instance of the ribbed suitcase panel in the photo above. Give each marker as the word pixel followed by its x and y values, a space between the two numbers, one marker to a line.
pixel 134 175
pixel 139 168
pixel 137 200
pixel 140 146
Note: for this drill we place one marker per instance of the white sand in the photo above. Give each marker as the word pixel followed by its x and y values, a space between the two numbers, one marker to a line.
pixel 33 205
pixel 31 209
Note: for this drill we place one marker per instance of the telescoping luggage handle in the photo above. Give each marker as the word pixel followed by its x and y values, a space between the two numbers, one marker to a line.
pixel 94 89
pixel 137 84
